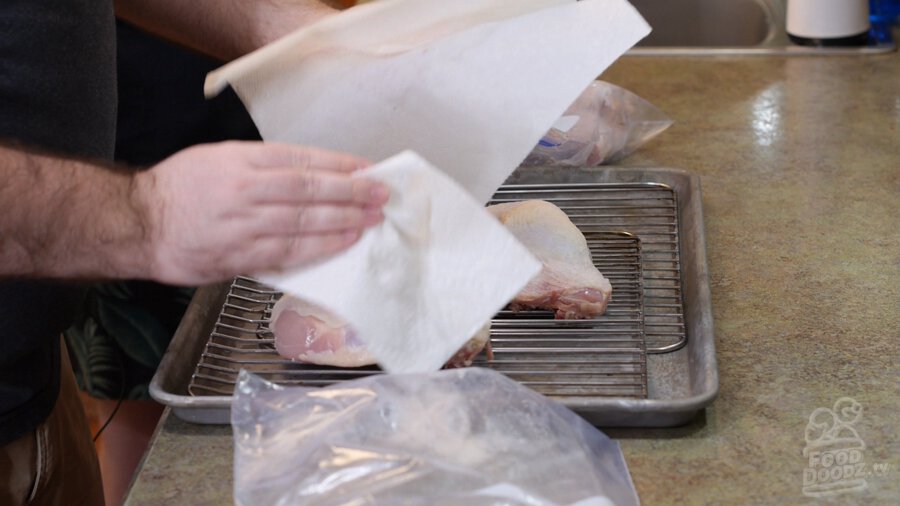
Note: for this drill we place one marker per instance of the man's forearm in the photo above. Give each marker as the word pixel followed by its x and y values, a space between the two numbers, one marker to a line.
pixel 224 29
pixel 68 219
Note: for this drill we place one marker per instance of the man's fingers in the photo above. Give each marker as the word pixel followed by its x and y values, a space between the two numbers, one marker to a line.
pixel 294 186
pixel 292 220
pixel 236 207
pixel 273 154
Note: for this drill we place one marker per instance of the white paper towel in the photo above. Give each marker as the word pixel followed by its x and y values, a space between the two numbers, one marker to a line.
pixel 420 284
pixel 471 85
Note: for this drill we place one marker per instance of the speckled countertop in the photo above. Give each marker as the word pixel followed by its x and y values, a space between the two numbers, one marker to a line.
pixel 799 159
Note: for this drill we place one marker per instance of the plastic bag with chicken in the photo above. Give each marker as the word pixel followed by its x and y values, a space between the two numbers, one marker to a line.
pixel 606 123
pixel 465 436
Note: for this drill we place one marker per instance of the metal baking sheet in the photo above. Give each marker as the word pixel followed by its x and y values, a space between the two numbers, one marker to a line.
pixel 677 384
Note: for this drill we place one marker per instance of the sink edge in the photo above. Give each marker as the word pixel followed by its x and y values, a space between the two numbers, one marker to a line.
pixel 764 50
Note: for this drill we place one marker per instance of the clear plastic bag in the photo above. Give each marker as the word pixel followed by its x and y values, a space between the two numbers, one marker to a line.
pixel 465 436
pixel 606 123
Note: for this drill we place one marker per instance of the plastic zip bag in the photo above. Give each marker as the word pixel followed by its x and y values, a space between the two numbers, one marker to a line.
pixel 606 123
pixel 465 436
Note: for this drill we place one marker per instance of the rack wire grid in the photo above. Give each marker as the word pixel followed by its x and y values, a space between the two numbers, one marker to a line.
pixel 632 232
pixel 650 212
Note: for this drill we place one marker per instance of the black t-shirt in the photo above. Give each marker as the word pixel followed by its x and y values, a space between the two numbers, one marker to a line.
pixel 58 94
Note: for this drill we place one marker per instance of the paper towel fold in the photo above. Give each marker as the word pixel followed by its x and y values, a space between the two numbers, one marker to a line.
pixel 471 85
pixel 419 285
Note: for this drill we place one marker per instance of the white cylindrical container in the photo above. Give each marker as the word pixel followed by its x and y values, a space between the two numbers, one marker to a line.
pixel 828 22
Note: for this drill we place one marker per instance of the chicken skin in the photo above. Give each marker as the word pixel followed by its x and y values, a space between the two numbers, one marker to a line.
pixel 569 283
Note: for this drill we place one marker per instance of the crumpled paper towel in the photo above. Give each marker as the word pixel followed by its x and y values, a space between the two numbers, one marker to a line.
pixel 419 285
pixel 471 85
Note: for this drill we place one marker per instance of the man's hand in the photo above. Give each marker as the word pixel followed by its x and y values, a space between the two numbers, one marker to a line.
pixel 205 214
pixel 214 211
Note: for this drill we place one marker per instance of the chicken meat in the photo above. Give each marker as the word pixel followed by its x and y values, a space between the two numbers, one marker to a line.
pixel 307 333
pixel 569 283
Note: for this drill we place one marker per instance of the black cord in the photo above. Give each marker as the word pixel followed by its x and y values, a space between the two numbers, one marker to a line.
pixel 118 403
pixel 109 419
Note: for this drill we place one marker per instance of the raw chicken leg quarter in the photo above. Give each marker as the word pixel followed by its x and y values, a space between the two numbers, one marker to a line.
pixel 568 283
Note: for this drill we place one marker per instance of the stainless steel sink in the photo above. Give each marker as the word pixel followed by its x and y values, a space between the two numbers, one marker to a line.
pixel 726 27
